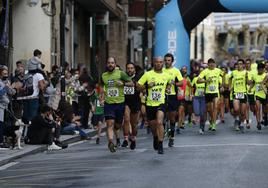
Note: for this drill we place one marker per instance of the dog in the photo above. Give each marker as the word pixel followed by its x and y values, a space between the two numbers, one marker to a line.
pixel 14 133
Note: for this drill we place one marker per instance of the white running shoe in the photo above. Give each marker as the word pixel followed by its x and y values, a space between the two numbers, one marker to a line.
pixel 207 123
pixel 201 131
pixel 218 121
pixel 53 146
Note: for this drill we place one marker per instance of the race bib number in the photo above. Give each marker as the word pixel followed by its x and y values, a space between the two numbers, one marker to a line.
pixel 258 87
pixel 200 92
pixel 211 88
pixel 156 96
pixel 113 92
pixel 239 95
pixel 180 93
pixel 98 103
pixel 129 90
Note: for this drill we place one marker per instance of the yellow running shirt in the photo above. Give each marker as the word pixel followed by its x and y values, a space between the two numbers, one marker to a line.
pixel 213 86
pixel 173 73
pixel 199 88
pixel 259 92
pixel 239 82
pixel 251 73
pixel 156 94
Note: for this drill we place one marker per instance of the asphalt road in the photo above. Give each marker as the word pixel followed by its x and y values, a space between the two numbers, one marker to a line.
pixel 224 159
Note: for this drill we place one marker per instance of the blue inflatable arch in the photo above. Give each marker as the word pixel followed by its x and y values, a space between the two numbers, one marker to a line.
pixel 175 21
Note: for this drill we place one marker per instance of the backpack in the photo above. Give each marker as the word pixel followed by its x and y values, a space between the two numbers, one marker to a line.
pixel 27 85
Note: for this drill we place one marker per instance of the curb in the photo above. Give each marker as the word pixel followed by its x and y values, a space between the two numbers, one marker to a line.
pixel 41 148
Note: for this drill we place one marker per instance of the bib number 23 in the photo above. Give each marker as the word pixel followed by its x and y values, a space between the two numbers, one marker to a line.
pixel 129 90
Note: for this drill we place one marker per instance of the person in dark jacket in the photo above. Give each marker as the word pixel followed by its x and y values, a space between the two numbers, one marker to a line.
pixel 44 130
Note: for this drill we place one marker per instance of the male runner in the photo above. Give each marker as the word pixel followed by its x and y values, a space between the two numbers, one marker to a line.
pixel 211 77
pixel 156 82
pixel 132 107
pixel 114 81
pixel 172 102
pixel 238 85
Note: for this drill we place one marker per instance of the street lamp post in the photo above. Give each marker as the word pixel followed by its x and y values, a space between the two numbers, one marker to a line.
pixel 203 42
pixel 145 34
pixel 62 48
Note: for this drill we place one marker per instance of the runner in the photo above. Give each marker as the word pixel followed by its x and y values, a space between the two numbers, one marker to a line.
pixel 113 82
pixel 188 97
pixel 225 95
pixel 172 102
pixel 181 93
pixel 258 82
pixel 238 85
pixel 251 105
pixel 211 77
pixel 157 83
pixel 132 108
pixel 143 115
pixel 97 110
pixel 199 102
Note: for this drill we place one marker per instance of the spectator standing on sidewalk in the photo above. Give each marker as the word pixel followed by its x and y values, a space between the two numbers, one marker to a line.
pixel 17 105
pixel 31 106
pixel 85 92
pixel 6 90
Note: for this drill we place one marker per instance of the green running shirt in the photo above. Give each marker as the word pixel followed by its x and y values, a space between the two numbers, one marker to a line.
pixel 114 94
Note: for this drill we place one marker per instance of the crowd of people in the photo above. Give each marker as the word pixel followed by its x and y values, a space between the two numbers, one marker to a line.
pixel 161 98
pixel 33 96
pixel 169 95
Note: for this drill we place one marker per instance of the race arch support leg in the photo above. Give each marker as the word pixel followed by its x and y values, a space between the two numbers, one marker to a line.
pixel 171 35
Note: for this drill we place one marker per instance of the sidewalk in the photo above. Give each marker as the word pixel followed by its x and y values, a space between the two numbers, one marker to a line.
pixel 9 155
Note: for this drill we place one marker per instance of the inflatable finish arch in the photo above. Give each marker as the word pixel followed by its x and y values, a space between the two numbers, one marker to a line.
pixel 175 21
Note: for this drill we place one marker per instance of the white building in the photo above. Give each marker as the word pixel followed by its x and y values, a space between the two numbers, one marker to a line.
pixel 203 48
pixel 236 20
pixel 31 30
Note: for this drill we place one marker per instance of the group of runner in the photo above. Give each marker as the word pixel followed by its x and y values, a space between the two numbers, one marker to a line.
pixel 169 94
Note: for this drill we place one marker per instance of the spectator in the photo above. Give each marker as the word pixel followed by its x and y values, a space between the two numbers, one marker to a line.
pixel 35 62
pixel 44 130
pixel 6 90
pixel 31 106
pixel 70 122
pixel 86 90
pixel 17 105
pixel 55 75
pixel 19 64
pixel 75 85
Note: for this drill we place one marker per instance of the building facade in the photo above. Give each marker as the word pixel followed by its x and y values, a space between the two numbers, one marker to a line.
pixel 94 30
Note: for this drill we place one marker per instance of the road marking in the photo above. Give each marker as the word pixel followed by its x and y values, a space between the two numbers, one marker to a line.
pixel 63 168
pixel 76 143
pixel 217 145
pixel 45 173
pixel 27 185
pixel 4 167
pixel 70 160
